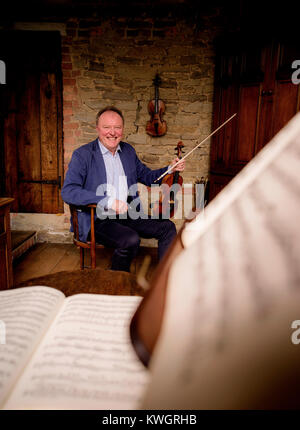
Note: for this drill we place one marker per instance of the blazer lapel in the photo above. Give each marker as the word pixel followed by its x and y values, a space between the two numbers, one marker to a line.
pixel 100 166
pixel 126 165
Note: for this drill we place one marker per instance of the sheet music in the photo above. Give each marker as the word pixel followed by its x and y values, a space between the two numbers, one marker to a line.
pixel 233 294
pixel 86 361
pixel 33 310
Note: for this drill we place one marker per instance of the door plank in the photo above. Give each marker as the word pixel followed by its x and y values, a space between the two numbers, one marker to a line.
pixel 33 125
pixel 50 200
pixel 28 128
pixel 247 124
pixel 286 103
pixel 48 121
pixel 11 157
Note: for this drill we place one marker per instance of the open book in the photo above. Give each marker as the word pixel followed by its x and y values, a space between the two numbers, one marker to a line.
pixel 68 353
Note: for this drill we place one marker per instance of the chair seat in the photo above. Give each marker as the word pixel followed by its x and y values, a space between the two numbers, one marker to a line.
pixel 87 244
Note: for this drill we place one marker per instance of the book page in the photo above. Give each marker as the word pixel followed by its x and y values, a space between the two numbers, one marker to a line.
pixel 86 361
pixel 229 338
pixel 25 314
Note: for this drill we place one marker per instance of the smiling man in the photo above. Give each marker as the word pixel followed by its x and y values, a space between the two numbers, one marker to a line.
pixel 106 171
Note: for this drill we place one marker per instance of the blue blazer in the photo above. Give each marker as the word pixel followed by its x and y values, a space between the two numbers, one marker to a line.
pixel 86 172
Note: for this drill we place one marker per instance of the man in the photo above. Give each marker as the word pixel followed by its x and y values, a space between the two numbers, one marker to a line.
pixel 106 171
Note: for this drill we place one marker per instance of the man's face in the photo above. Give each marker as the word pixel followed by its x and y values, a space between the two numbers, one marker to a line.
pixel 110 130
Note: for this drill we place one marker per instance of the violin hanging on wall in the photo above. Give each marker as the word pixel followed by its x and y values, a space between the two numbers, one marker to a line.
pixel 156 126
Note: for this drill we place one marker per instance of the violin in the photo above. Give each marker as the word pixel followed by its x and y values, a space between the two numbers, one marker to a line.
pixel 167 205
pixel 156 126
pixel 146 323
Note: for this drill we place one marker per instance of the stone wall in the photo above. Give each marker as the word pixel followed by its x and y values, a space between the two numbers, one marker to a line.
pixel 113 61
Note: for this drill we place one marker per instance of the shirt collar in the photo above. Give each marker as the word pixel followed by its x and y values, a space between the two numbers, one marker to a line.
pixel 104 150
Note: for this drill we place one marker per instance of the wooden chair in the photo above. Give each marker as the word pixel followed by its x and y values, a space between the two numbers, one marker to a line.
pixel 92 245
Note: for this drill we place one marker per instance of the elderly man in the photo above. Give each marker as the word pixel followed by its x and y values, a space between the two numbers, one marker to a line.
pixel 106 171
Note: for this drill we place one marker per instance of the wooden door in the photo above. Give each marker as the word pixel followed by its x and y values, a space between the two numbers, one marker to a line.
pixel 253 78
pixel 32 121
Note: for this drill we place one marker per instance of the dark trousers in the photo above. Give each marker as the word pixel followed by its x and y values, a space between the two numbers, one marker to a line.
pixel 124 236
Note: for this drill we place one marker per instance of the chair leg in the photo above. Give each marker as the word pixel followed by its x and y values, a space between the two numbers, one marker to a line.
pixel 93 257
pixel 93 240
pixel 81 258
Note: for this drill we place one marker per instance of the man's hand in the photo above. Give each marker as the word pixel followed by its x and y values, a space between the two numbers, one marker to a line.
pixel 180 166
pixel 119 207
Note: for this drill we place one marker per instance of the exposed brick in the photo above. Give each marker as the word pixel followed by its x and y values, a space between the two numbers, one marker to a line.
pixel 67 104
pixel 67 66
pixel 68 133
pixel 69 97
pixel 69 89
pixel 67 73
pixel 69 82
pixel 66 58
pixel 71 125
pixel 69 141
pixel 76 73
pixel 68 111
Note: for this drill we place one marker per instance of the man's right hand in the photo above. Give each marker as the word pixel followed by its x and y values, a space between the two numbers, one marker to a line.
pixel 119 206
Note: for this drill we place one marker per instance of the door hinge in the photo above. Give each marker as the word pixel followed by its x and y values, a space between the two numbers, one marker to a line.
pixel 44 181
